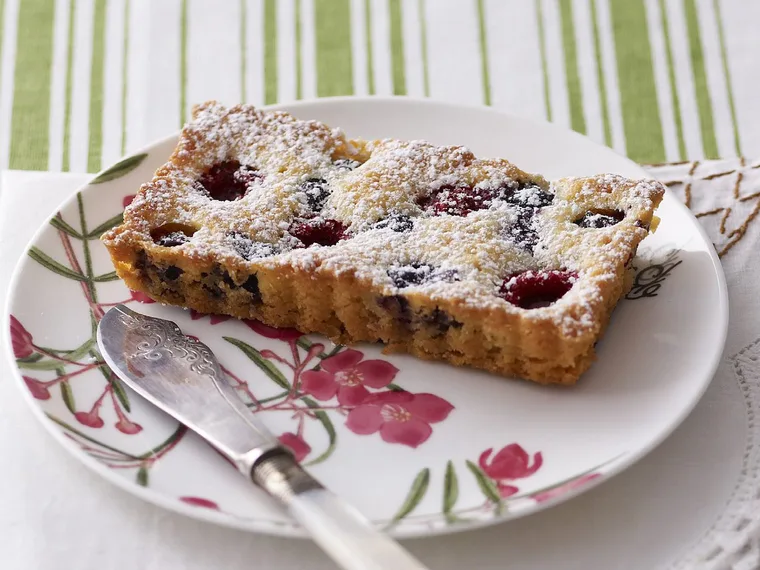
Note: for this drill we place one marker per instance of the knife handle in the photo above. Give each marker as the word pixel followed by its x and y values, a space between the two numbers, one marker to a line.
pixel 337 527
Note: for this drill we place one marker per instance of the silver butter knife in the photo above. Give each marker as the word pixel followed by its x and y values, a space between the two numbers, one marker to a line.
pixel 181 376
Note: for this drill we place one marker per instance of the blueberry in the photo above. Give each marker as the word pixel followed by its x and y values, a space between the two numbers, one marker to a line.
pixel 247 248
pixel 412 274
pixel 252 286
pixel 172 273
pixel 212 282
pixel 346 164
pixel 172 239
pixel 141 261
pixel 523 232
pixel 526 195
pixel 172 234
pixel 398 306
pixel 419 273
pixel 441 320
pixel 213 290
pixel 227 278
pixel 317 191
pixel 600 218
pixel 396 223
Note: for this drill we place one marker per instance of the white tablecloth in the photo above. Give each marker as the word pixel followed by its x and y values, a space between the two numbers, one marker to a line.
pixel 84 82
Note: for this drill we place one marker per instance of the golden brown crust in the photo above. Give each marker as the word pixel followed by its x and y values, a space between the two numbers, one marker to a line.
pixel 344 291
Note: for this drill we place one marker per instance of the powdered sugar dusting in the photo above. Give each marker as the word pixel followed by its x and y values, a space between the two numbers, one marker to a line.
pixel 491 220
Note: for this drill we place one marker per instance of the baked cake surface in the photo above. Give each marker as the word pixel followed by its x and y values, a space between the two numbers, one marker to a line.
pixel 428 249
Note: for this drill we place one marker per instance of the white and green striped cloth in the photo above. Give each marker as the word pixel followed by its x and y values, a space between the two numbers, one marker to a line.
pixel 83 82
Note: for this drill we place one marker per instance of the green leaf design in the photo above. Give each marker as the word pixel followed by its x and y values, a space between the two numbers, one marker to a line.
pixel 450 491
pixel 105 226
pixel 106 277
pixel 267 367
pixel 171 440
pixel 121 394
pixel 35 362
pixel 414 496
pixel 121 168
pixel 394 388
pixel 487 486
pixel 46 364
pixel 142 476
pixel 83 349
pixel 86 437
pixel 39 365
pixel 68 396
pixel 269 399
pixel 31 358
pixel 49 263
pixel 326 422
pixel 116 385
pixel 58 223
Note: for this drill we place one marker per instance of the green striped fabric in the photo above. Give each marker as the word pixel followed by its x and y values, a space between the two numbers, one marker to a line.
pixel 31 85
pixel 333 47
pixel 397 48
pixel 270 51
pixel 83 82
pixel 96 87
pixel 638 91
pixel 574 93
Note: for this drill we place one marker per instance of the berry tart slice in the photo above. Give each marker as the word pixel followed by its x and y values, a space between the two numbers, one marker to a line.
pixel 427 249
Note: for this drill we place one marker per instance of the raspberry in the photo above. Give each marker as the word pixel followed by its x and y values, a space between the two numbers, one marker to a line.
pixel 228 181
pixel 534 289
pixel 319 231
pixel 458 200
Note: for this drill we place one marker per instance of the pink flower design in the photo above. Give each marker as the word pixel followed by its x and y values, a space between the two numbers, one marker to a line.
pixel 140 297
pixel 346 375
pixel 199 502
pixel 38 389
pixel 564 488
pixel 90 419
pixel 506 490
pixel 127 427
pixel 286 334
pixel 296 444
pixel 400 417
pixel 20 339
pixel 215 319
pixel 127 200
pixel 511 462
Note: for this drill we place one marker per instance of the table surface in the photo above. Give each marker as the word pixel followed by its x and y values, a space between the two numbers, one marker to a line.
pixel 84 82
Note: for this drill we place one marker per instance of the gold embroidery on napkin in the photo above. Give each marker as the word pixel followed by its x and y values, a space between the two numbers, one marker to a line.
pixel 723 194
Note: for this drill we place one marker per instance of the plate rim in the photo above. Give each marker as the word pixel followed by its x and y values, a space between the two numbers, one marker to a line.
pixel 614 468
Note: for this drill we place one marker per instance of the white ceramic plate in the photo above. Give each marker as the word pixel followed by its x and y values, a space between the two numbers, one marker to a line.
pixel 478 450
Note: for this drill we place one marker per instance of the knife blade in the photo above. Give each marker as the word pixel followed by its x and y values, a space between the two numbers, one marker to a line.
pixel 181 376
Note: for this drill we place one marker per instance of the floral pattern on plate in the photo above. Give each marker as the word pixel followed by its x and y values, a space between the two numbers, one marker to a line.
pixel 318 386
pixel 444 448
